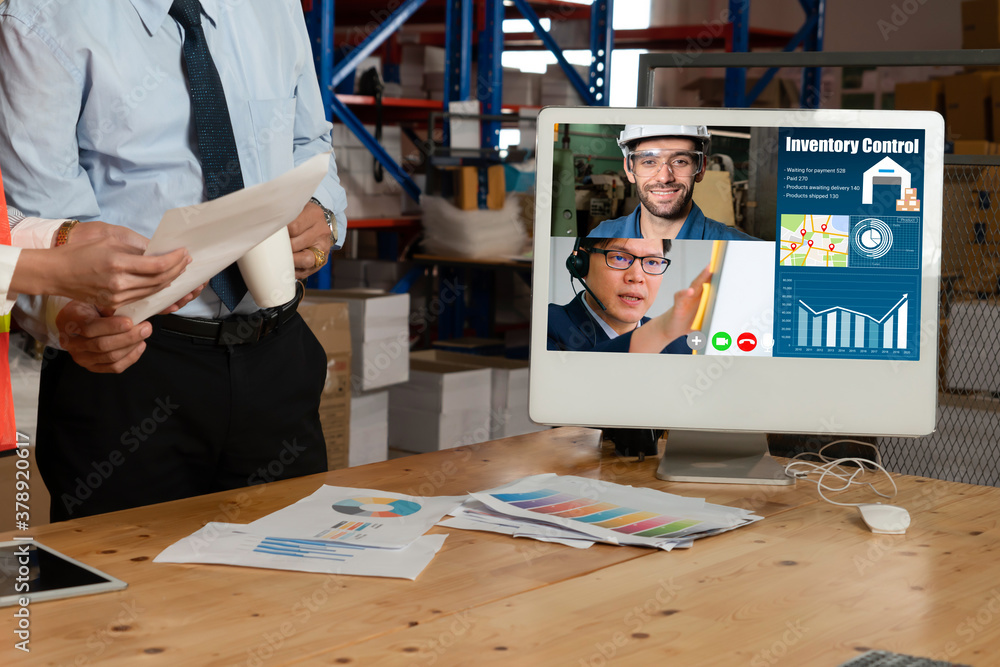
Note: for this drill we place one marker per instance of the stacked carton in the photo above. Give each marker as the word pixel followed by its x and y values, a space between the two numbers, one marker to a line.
pixel 441 406
pixel 369 427
pixel 909 202
pixel 366 197
pixel 558 91
pixel 418 60
pixel 508 389
pixel 378 342
pixel 981 24
pixel 329 323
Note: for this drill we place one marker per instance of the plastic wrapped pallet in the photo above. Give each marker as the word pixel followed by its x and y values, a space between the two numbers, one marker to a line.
pixel 479 233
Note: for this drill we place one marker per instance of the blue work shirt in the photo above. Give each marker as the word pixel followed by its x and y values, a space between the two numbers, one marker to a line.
pixel 96 118
pixel 696 226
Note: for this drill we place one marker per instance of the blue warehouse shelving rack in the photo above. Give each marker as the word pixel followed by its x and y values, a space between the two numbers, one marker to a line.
pixel 460 26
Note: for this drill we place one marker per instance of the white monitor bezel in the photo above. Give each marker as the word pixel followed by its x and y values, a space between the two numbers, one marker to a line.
pixel 883 397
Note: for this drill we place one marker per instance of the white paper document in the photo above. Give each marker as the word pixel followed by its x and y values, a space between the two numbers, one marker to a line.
pixel 217 233
pixel 600 511
pixel 357 516
pixel 230 544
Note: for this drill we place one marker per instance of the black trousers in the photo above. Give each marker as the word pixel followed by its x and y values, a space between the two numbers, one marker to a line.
pixel 188 418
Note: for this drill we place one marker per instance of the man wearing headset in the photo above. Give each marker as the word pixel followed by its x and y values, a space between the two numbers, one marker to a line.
pixel 665 162
pixel 621 278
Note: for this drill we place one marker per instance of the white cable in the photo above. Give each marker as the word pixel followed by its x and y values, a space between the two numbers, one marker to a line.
pixel 828 467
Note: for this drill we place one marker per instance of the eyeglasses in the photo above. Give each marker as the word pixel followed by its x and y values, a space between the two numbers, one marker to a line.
pixel 654 265
pixel 650 162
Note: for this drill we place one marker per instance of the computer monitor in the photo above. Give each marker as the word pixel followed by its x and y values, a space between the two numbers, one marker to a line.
pixel 825 323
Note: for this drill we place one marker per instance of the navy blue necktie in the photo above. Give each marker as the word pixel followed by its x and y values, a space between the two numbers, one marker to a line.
pixel 220 163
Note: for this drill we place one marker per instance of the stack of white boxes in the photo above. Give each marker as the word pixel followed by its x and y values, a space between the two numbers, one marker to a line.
pixel 508 414
pixel 366 197
pixel 418 60
pixel 558 91
pixel 441 406
pixel 380 358
pixel 519 88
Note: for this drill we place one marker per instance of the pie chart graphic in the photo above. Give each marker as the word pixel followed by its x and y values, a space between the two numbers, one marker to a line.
pixel 377 507
pixel 871 238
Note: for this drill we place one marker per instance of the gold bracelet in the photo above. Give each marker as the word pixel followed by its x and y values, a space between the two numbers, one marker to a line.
pixel 62 236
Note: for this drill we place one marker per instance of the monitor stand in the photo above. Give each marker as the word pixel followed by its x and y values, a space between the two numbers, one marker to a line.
pixel 729 458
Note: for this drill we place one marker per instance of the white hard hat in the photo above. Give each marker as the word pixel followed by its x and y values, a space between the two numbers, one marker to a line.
pixel 635 132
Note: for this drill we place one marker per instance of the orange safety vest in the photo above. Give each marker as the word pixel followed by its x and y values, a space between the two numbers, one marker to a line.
pixel 8 431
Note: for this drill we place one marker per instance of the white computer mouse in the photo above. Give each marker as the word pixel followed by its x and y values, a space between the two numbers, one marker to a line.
pixel 885 519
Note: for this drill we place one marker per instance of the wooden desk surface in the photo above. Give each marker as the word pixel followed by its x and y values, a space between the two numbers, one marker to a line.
pixel 809 585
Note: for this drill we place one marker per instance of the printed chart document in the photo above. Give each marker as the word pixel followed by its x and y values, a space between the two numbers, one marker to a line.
pixel 230 544
pixel 603 512
pixel 217 233
pixel 357 516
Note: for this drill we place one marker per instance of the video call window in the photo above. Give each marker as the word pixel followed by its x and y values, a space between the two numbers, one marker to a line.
pixel 835 214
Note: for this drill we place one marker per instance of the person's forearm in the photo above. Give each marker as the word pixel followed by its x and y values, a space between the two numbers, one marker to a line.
pixel 40 272
pixel 652 336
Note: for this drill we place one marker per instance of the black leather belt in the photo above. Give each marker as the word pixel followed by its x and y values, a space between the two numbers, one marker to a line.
pixel 233 330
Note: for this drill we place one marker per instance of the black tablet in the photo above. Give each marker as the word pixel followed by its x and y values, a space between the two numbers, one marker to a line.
pixel 36 572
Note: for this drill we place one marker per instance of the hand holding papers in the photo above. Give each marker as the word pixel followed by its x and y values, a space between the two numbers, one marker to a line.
pixel 219 232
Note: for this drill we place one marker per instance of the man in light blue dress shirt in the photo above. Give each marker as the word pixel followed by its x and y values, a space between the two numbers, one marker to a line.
pixel 96 122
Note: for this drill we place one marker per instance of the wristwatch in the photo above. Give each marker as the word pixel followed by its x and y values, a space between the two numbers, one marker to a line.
pixel 331 221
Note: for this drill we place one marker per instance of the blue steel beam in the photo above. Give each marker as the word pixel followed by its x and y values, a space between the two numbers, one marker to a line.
pixel 373 41
pixel 736 77
pixel 489 85
pixel 797 39
pixel 457 57
pixel 458 50
pixel 574 77
pixel 811 76
pixel 354 125
pixel 602 42
pixel 326 55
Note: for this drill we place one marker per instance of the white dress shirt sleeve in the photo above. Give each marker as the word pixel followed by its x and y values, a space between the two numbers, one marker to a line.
pixel 312 136
pixel 25 233
pixel 38 142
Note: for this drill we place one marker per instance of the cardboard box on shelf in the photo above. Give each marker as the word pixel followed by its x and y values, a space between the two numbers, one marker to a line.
pixel 975 147
pixel 920 96
pixel 466 188
pixel 496 195
pixel 329 323
pixel 967 201
pixel 981 24
pixel 379 330
pixel 369 442
pixel 968 109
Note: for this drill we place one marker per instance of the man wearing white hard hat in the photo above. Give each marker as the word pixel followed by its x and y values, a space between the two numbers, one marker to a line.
pixel 665 162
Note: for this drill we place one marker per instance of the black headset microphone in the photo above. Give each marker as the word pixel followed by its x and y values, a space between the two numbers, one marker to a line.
pixel 578 265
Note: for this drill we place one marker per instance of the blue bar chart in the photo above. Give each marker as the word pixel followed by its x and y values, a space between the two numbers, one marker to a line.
pixel 863 314
pixel 840 327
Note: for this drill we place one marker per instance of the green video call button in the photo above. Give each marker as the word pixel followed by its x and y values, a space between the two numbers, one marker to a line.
pixel 721 341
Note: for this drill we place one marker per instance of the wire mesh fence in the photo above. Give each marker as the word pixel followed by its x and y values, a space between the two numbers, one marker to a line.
pixel 966 445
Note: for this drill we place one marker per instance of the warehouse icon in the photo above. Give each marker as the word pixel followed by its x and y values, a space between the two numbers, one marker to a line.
pixel 885 172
